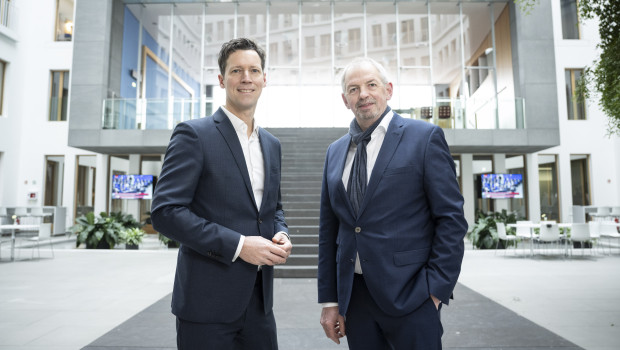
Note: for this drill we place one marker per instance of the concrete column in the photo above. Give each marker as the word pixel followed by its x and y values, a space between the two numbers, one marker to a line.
pixel 467 186
pixel 68 188
pixel 101 184
pixel 533 187
pixel 565 188
pixel 133 205
pixel 499 167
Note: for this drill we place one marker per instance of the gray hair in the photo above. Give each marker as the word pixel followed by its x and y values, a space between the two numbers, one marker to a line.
pixel 358 62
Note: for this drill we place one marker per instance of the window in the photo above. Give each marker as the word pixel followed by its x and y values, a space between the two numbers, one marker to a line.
pixel 2 70
pixel 326 43
pixel 548 183
pixel 54 175
pixel 575 106
pixel 570 19
pixel 391 31
pixel 310 53
pixel 406 30
pixel 376 36
pixel 85 171
pixel 5 13
pixel 579 165
pixel 59 93
pixel 355 40
pixel 64 20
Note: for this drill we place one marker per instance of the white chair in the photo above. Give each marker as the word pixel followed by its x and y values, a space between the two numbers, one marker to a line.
pixel 22 213
pixel 595 230
pixel 580 233
pixel 602 213
pixel 45 234
pixel 609 230
pixel 37 215
pixel 525 232
pixel 549 233
pixel 615 212
pixel 503 236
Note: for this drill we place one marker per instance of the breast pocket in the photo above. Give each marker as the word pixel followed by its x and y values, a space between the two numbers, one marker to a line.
pixel 398 171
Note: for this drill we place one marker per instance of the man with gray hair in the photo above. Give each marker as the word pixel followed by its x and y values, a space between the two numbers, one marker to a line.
pixel 391 223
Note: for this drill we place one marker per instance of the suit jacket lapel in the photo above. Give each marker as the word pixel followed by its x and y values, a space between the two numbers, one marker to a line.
pixel 390 142
pixel 341 150
pixel 227 130
pixel 266 148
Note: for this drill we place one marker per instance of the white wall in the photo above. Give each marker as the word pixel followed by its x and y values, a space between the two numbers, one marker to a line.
pixel 583 136
pixel 26 135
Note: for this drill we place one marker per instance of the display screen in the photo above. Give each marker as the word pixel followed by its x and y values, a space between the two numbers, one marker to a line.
pixel 132 186
pixel 502 185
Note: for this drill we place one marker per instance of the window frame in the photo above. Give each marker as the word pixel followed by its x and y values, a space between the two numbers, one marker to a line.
pixel 63 74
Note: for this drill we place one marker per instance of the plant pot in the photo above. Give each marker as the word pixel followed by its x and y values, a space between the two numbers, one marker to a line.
pixel 131 246
pixel 582 244
pixel 148 228
pixel 103 244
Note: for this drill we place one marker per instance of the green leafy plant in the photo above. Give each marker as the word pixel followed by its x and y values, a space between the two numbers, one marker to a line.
pixel 484 233
pixel 101 231
pixel 127 220
pixel 132 236
pixel 167 241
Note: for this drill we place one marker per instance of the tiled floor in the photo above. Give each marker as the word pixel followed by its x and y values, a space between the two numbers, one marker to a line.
pixel 84 297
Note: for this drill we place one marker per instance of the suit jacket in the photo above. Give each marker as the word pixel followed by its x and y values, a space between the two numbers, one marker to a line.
pixel 204 200
pixel 410 229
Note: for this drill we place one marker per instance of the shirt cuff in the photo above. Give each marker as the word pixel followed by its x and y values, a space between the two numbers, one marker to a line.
pixel 238 251
pixel 329 304
pixel 286 234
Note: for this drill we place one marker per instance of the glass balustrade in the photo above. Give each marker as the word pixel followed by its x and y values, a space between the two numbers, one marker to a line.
pixel 162 114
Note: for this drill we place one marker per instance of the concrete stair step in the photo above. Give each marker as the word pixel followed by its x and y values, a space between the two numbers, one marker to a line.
pixel 295 191
pixel 302 259
pixel 302 221
pixel 303 229
pixel 304 248
pixel 299 205
pixel 302 197
pixel 299 271
pixel 297 238
pixel 301 213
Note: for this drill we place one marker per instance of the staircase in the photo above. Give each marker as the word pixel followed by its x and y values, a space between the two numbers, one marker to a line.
pixel 303 156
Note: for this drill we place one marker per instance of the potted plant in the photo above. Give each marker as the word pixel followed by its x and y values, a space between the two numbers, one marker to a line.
pixel 168 242
pixel 97 232
pixel 484 233
pixel 126 220
pixel 132 237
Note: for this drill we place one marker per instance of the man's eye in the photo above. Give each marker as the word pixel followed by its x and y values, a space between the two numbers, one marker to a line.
pixel 352 90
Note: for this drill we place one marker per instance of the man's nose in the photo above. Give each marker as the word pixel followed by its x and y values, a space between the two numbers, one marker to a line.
pixel 245 75
pixel 363 92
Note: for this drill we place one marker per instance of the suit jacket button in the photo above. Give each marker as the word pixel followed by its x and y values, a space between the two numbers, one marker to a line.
pixel 352 260
pixel 260 221
pixel 358 229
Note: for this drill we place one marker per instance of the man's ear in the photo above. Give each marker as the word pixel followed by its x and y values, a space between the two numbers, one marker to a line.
pixel 389 89
pixel 346 103
pixel 221 79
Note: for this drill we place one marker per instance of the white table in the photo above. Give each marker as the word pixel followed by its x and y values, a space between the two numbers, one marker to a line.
pixel 532 226
pixel 14 228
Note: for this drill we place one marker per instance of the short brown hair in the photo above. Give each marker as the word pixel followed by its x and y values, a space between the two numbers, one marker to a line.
pixel 239 44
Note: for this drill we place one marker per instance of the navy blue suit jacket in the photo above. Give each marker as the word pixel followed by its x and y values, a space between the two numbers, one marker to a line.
pixel 204 200
pixel 410 229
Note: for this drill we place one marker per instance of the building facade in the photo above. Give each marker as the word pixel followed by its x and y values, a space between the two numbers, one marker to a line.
pixel 102 98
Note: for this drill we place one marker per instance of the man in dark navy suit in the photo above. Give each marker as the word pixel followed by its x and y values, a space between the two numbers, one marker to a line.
pixel 392 225
pixel 219 196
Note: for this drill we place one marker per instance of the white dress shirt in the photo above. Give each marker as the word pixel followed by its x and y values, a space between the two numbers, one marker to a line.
pixel 254 161
pixel 372 151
